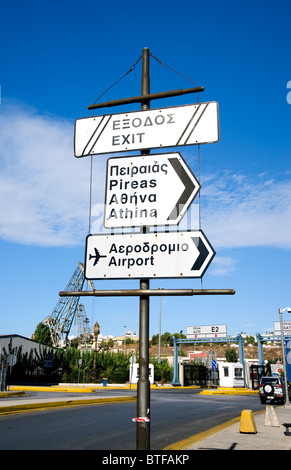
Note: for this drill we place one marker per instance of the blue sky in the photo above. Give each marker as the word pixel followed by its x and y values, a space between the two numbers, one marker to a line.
pixel 56 59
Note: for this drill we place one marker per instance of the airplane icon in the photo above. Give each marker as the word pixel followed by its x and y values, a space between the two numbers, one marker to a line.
pixel 97 256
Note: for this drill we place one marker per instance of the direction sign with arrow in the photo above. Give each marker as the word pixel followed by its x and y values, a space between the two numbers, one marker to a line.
pixel 155 128
pixel 152 190
pixel 149 255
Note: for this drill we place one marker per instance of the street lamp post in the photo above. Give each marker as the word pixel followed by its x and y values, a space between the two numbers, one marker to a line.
pixel 124 339
pixel 281 310
pixel 96 331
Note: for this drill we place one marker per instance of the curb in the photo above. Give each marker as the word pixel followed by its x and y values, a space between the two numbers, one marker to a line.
pixel 188 443
pixel 4 410
pixel 12 394
pixel 91 389
pixel 229 391
pixel 32 388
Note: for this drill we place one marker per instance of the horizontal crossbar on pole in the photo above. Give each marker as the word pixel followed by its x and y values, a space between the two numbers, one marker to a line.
pixel 209 339
pixel 142 292
pixel 147 97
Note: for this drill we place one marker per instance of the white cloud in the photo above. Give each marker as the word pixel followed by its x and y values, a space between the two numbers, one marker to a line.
pixel 44 189
pixel 240 210
pixel 44 192
pixel 222 265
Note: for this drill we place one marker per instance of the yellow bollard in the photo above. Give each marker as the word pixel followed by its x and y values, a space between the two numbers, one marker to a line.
pixel 247 422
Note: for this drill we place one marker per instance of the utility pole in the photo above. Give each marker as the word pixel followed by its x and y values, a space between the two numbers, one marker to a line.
pixel 102 142
pixel 143 385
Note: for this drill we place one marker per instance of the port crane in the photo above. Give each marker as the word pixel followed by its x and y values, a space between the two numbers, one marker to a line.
pixel 68 309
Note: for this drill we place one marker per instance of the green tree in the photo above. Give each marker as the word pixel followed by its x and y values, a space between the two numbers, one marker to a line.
pixel 107 344
pixel 74 343
pixel 42 334
pixel 231 355
pixel 163 372
pixel 167 339
pixel 251 340
pixel 155 340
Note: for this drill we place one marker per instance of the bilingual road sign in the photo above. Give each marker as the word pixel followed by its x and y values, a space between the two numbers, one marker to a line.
pixel 286 328
pixel 147 255
pixel 154 128
pixel 206 331
pixel 147 191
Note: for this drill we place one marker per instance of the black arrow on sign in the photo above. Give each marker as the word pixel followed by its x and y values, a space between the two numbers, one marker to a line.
pixel 203 253
pixel 189 187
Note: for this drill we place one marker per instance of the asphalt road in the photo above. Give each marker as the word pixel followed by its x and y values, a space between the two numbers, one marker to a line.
pixel 175 415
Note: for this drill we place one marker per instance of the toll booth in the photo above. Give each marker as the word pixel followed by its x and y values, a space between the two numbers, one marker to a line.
pixel 228 339
pixel 231 374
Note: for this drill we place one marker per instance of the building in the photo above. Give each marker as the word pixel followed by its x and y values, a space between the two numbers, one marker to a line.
pixel 12 343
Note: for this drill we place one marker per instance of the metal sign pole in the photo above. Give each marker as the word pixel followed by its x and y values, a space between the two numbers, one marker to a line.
pixel 92 138
pixel 143 385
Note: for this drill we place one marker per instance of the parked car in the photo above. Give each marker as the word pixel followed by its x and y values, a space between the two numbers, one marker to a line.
pixel 273 389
